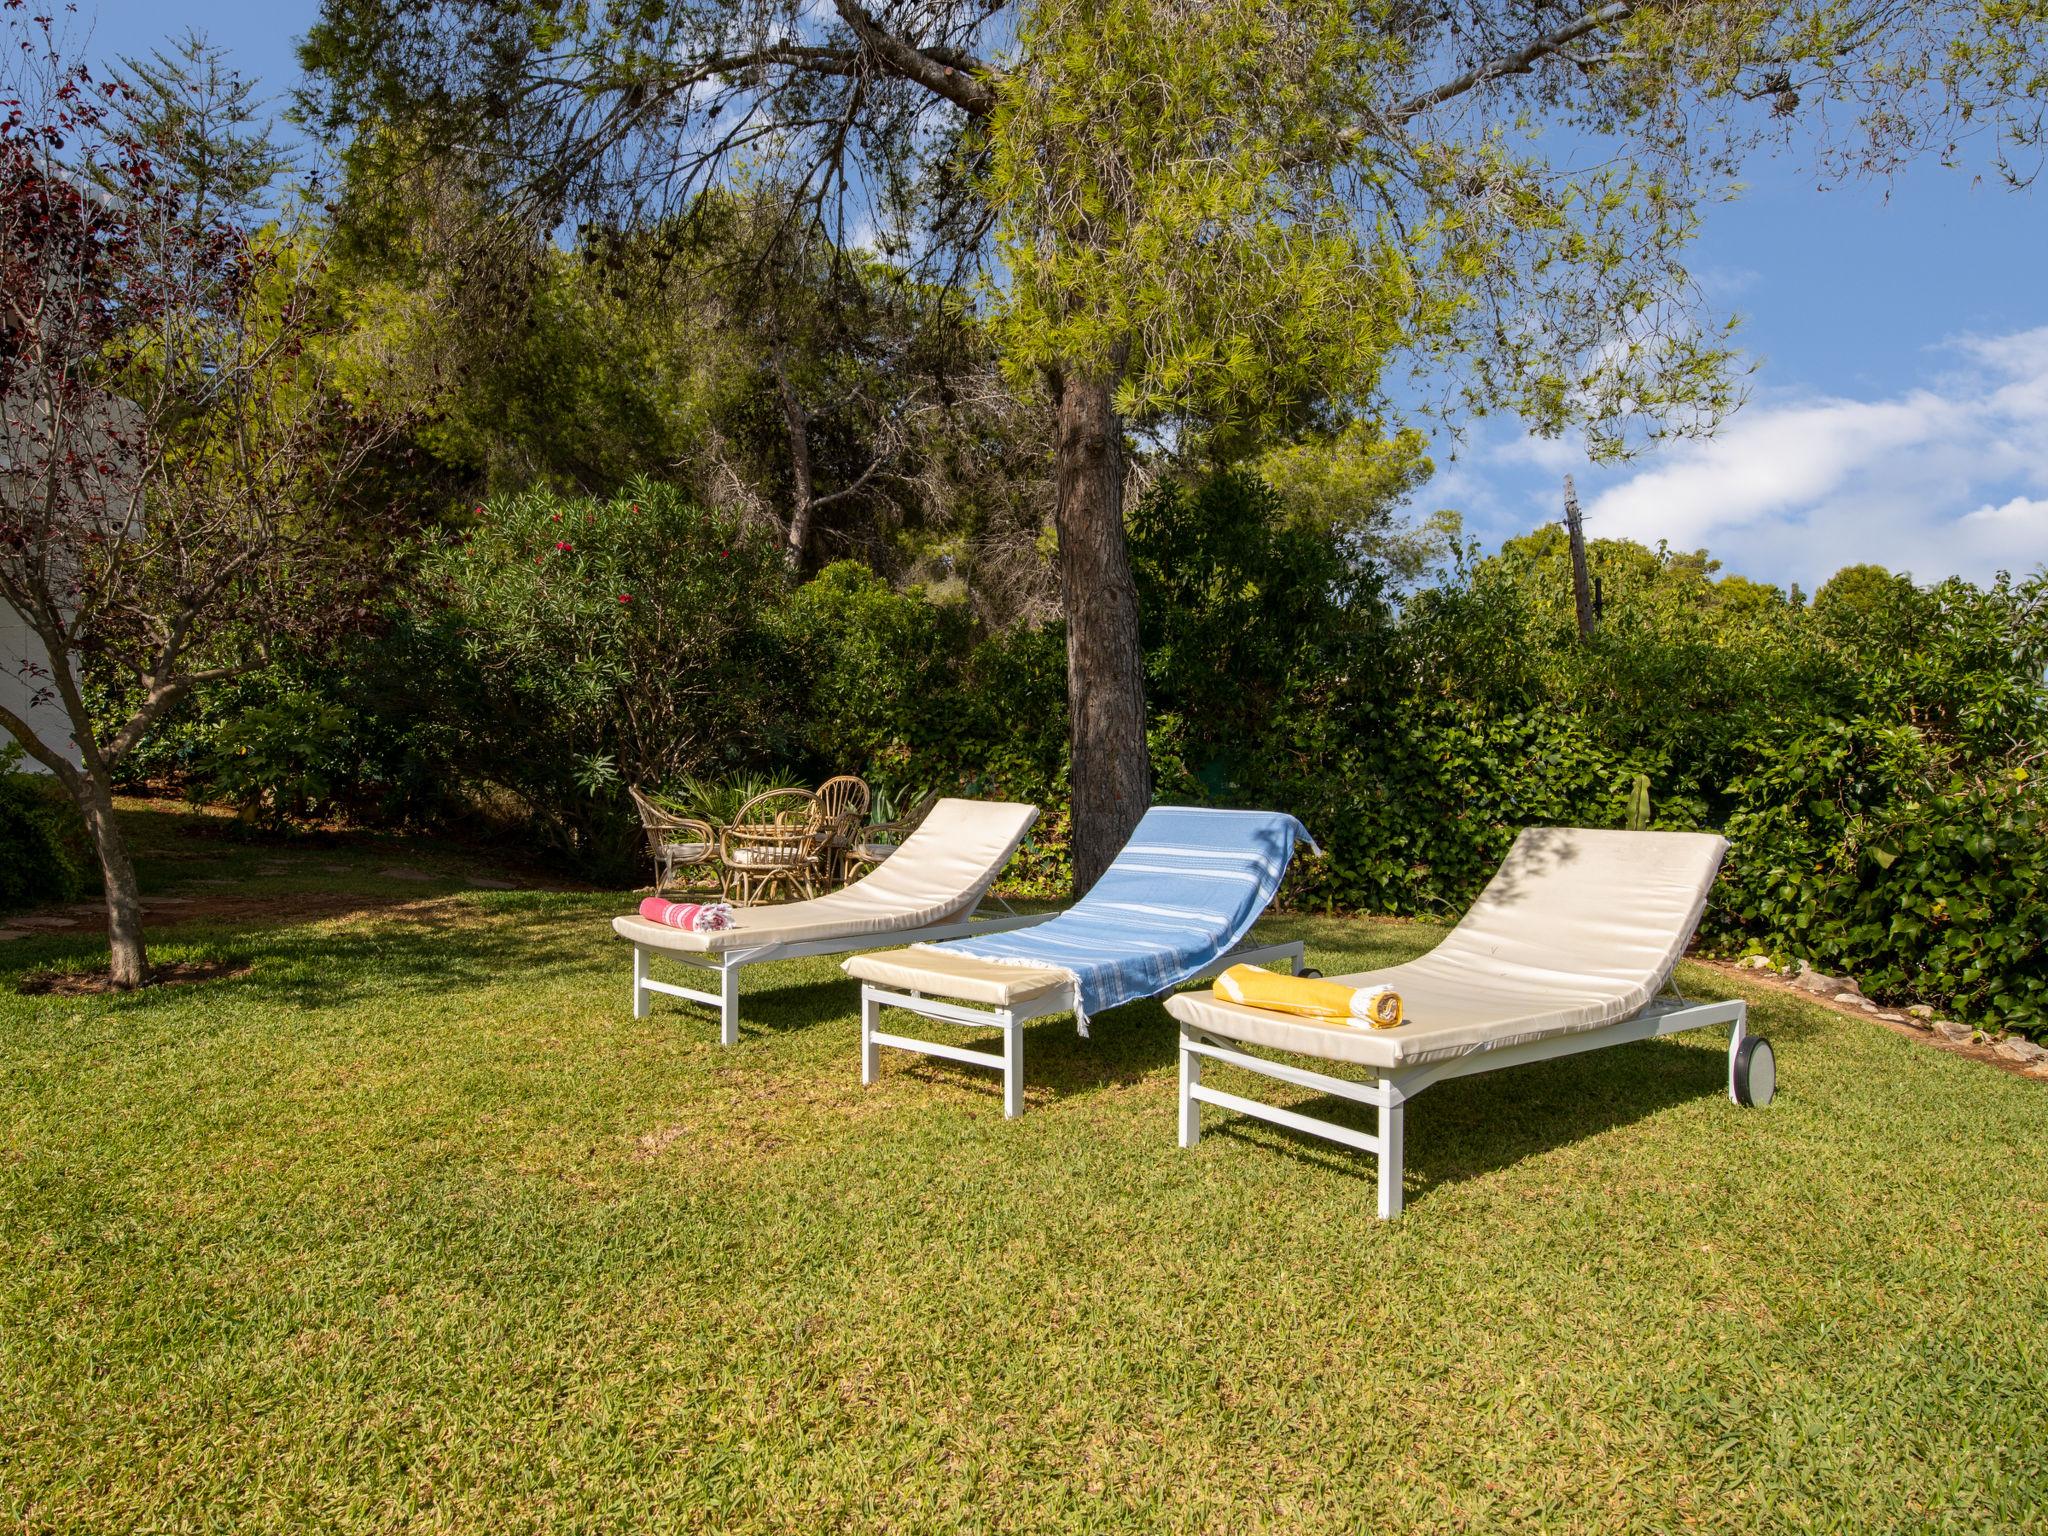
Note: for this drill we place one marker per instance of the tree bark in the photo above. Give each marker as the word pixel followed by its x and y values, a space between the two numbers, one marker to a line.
pixel 1582 585
pixel 90 788
pixel 797 543
pixel 130 958
pixel 1111 778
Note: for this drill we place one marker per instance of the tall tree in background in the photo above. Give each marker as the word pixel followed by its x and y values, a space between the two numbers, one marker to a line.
pixel 172 480
pixel 203 117
pixel 1197 214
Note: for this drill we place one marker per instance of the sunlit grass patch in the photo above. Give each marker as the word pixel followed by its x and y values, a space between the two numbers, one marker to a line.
pixel 414 1227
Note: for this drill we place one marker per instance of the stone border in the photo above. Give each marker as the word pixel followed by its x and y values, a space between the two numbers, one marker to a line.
pixel 1917 1021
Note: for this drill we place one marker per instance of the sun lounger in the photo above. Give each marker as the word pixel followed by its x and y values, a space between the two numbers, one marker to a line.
pixel 1174 906
pixel 1566 950
pixel 927 889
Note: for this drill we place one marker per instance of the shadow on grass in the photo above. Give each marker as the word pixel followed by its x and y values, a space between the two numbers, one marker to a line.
pixel 1471 1126
pixel 1458 1130
pixel 354 955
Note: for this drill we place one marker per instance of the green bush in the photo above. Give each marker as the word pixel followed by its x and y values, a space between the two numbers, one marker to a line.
pixel 45 853
pixel 1871 758
pixel 1871 755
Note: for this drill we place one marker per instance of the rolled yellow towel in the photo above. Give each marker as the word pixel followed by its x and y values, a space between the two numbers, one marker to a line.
pixel 1310 997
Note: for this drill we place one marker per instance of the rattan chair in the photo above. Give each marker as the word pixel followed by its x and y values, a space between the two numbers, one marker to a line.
pixel 780 842
pixel 685 850
pixel 870 845
pixel 844 802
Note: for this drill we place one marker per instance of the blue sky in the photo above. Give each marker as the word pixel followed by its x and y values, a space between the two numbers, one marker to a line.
pixel 1898 412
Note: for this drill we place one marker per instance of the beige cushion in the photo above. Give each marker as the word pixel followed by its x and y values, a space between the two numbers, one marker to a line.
pixel 941 871
pixel 1577 929
pixel 686 853
pixel 942 973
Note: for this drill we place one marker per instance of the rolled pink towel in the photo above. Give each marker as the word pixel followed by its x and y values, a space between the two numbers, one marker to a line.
pixel 696 917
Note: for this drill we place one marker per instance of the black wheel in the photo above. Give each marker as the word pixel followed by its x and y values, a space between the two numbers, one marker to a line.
pixel 1756 1072
pixel 1309 970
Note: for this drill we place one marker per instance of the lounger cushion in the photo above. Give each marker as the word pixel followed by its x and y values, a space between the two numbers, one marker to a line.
pixel 940 873
pixel 1578 929
pixel 945 973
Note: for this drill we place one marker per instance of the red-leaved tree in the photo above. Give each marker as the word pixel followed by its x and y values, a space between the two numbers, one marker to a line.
pixel 174 474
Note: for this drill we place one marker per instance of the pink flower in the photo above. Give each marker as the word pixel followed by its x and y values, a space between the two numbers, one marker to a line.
pixel 565 547
pixel 725 554
pixel 625 597
pixel 558 517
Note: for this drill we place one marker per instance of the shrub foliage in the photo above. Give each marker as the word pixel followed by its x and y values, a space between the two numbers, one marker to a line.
pixel 1872 755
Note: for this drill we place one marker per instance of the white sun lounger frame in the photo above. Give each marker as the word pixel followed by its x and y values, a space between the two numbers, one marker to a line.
pixel 1389 1090
pixel 1010 1020
pixel 726 965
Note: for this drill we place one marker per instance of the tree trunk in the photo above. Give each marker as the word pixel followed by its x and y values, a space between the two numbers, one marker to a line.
pixel 1582 586
pixel 124 900
pixel 1112 775
pixel 90 788
pixel 797 544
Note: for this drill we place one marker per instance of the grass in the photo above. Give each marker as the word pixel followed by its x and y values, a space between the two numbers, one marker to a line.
pixel 412 1227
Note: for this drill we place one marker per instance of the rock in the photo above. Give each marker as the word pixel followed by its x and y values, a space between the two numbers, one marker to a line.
pixel 1851 998
pixel 2038 1069
pixel 1892 1018
pixel 1920 1010
pixel 12 933
pixel 1818 983
pixel 2022 1051
pixel 1949 1029
pixel 1753 963
pixel 485 883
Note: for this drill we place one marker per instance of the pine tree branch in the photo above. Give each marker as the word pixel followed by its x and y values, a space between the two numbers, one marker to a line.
pixel 1520 62
pixel 946 72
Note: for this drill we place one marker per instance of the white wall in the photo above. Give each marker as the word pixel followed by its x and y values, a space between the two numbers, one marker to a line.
pixel 18 644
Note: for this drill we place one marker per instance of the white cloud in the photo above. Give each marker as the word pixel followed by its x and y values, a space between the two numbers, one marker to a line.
pixel 2021 517
pixel 1948 478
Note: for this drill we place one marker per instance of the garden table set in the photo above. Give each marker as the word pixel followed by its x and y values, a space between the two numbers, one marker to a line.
pixel 783 845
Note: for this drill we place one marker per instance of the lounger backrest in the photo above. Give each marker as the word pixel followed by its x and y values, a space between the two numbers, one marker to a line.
pixel 952 859
pixel 1573 901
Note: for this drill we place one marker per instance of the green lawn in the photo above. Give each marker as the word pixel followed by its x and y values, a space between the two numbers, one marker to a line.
pixel 413 1227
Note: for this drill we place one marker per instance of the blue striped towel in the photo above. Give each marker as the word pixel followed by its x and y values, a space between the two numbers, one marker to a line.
pixel 1187 887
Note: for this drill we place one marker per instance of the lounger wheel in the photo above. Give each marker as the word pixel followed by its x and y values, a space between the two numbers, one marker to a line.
pixel 1309 970
pixel 1755 1072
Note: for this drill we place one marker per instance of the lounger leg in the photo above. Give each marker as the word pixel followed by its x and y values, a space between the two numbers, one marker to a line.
pixel 1392 1111
pixel 1013 1068
pixel 728 1003
pixel 643 1000
pixel 870 1053
pixel 1735 1044
pixel 1190 1079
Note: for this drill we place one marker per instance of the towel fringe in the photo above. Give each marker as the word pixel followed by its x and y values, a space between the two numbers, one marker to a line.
pixel 1073 978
